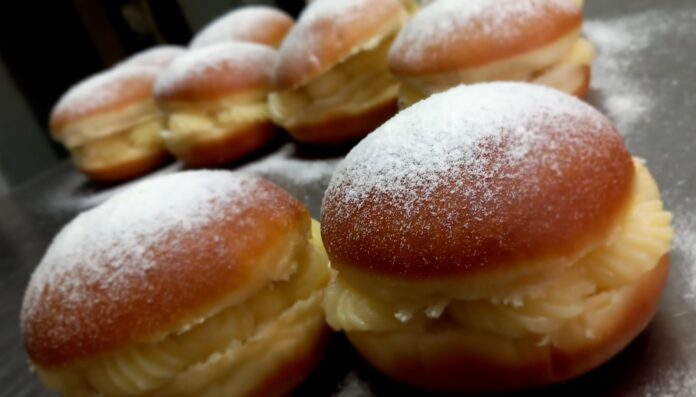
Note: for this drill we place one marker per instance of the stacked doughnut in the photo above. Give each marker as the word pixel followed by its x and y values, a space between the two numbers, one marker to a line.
pixel 215 103
pixel 493 237
pixel 331 82
pixel 213 289
pixel 111 125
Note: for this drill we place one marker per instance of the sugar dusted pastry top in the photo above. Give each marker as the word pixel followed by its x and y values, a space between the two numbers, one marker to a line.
pixel 478 177
pixel 158 56
pixel 155 258
pixel 107 91
pixel 456 34
pixel 217 70
pixel 256 24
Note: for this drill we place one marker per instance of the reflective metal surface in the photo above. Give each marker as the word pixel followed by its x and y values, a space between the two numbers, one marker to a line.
pixel 652 81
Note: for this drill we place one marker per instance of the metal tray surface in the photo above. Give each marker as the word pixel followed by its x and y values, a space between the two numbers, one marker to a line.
pixel 643 78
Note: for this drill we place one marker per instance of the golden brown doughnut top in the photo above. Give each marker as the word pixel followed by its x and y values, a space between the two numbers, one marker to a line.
pixel 155 258
pixel 254 24
pixel 457 34
pixel 104 92
pixel 215 71
pixel 330 31
pixel 158 56
pixel 477 178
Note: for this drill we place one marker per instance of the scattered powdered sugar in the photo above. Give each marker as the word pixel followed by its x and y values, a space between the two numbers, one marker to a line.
pixel 417 151
pixel 105 89
pixel 159 56
pixel 621 44
pixel 282 167
pixel 685 244
pixel 111 244
pixel 246 58
pixel 353 386
pixel 81 195
pixel 441 21
pixel 677 382
pixel 241 24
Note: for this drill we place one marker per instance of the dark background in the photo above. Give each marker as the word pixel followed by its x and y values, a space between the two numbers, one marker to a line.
pixel 47 46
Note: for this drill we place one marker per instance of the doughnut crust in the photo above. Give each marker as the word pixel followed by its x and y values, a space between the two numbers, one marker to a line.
pixel 549 203
pixel 165 292
pixel 253 24
pixel 158 56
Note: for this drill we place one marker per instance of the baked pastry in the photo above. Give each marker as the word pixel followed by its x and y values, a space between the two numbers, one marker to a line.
pixel 215 101
pixel 493 237
pixel 158 56
pixel 332 83
pixel 111 125
pixel 255 24
pixel 200 283
pixel 452 42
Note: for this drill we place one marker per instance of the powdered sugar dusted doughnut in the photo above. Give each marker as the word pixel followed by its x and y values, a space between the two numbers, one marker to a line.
pixel 111 125
pixel 493 237
pixel 134 296
pixel 215 101
pixel 331 81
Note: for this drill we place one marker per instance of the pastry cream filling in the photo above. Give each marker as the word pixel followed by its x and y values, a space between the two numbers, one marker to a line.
pixel 560 65
pixel 153 366
pixel 190 124
pixel 358 84
pixel 141 140
pixel 641 239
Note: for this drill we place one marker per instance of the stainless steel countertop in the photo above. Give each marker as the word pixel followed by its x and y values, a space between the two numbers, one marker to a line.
pixel 644 78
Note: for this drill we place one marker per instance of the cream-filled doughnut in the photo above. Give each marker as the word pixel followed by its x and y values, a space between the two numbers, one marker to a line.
pixel 215 103
pixel 452 42
pixel 200 283
pixel 111 125
pixel 493 237
pixel 158 56
pixel 331 82
pixel 254 24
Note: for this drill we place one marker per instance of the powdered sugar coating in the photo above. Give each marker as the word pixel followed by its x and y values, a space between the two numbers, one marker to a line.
pixel 407 156
pixel 440 23
pixel 158 56
pixel 498 168
pixel 109 257
pixel 111 88
pixel 244 64
pixel 242 24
